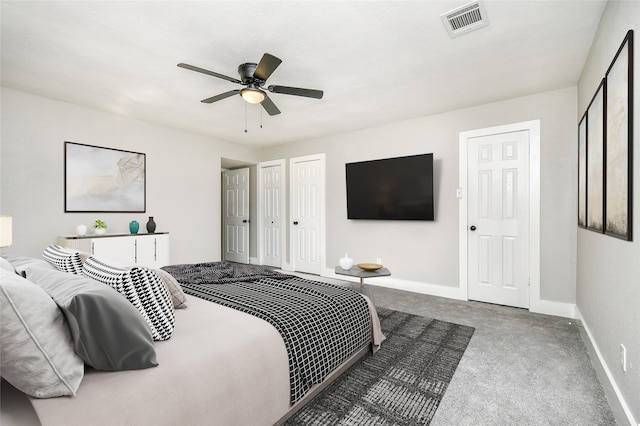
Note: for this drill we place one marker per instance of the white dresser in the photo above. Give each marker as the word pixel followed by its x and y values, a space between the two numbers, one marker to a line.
pixel 151 250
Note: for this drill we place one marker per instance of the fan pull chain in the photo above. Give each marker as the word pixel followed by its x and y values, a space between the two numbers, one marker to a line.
pixel 245 117
pixel 261 118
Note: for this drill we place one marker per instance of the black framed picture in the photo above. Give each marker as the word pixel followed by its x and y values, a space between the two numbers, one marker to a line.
pixel 99 179
pixel 582 172
pixel 595 161
pixel 619 142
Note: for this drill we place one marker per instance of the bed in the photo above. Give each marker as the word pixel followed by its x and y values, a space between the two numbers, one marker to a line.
pixel 225 362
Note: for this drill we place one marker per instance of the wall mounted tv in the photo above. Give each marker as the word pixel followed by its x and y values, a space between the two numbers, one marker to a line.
pixel 398 188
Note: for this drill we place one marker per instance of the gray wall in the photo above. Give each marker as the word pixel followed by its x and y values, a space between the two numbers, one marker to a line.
pixel 608 273
pixel 427 252
pixel 183 187
pixel 183 175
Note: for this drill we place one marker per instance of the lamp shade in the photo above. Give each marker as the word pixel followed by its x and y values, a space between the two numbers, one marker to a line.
pixel 6 231
pixel 252 95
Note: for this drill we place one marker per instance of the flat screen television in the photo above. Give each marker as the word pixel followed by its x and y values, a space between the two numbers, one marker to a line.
pixel 398 188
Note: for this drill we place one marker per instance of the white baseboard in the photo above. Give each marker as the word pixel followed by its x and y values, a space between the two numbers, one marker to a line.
pixel 548 307
pixel 413 286
pixel 605 368
pixel 287 267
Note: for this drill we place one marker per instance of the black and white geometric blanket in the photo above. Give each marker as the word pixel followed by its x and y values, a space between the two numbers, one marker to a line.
pixel 219 272
pixel 321 324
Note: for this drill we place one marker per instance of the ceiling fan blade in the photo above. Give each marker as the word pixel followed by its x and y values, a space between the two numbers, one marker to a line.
pixel 307 93
pixel 266 67
pixel 269 106
pixel 220 96
pixel 211 73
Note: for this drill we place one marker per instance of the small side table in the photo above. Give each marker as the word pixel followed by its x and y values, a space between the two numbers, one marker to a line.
pixel 362 274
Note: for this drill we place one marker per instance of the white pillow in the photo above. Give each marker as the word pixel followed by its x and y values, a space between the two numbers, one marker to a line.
pixel 36 348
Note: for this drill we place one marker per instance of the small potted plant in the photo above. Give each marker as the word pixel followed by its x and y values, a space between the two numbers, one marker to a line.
pixel 100 227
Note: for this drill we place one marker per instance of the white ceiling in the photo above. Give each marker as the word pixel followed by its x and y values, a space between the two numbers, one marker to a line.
pixel 377 61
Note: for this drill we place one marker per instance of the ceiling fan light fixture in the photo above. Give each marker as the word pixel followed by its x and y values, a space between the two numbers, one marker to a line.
pixel 252 95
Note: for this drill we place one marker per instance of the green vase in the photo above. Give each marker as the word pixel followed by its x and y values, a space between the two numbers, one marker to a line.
pixel 134 226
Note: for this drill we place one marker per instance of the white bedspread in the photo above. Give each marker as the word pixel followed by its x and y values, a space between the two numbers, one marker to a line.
pixel 220 367
pixel 233 371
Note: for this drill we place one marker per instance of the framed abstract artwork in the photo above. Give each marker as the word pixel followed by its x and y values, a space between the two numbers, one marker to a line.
pixel 98 179
pixel 582 172
pixel 595 161
pixel 619 142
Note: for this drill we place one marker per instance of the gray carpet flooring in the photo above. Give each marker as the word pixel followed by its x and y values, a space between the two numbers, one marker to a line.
pixel 520 368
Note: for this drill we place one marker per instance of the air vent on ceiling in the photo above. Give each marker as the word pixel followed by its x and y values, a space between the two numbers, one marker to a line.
pixel 466 18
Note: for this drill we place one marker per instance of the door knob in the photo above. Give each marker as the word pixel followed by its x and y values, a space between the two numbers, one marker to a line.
pixel 295 222
pixel 245 221
pixel 473 228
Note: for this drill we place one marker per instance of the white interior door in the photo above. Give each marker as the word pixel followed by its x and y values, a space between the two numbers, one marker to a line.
pixel 498 218
pixel 235 216
pixel 307 219
pixel 271 214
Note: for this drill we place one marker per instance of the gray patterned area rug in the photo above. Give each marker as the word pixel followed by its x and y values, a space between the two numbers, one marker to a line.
pixel 401 384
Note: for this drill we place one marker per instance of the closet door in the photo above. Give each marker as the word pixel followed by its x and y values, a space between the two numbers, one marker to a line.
pixel 272 217
pixel 235 216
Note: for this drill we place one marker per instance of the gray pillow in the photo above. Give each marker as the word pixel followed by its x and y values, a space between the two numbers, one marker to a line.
pixel 172 285
pixel 108 332
pixel 36 354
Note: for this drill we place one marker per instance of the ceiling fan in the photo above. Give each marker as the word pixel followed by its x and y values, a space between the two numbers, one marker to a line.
pixel 254 76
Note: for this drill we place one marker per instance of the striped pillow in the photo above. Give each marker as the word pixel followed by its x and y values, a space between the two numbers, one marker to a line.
pixel 143 288
pixel 64 259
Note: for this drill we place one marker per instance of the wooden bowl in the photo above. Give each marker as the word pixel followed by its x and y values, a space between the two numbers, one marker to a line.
pixel 369 266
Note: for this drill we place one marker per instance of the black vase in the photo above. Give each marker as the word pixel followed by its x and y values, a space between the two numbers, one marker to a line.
pixel 151 225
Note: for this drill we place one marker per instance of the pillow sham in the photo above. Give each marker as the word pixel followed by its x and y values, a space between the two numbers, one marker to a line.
pixel 64 259
pixel 22 262
pixel 143 288
pixel 172 285
pixel 108 333
pixel 36 355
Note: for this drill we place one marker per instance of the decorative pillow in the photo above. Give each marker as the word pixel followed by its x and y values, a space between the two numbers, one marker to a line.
pixel 36 354
pixel 6 265
pixel 108 333
pixel 143 288
pixel 64 259
pixel 172 285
